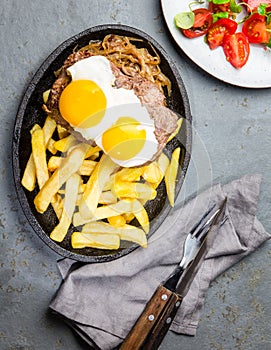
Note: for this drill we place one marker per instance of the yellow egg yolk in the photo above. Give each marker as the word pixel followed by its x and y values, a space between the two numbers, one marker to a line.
pixel 82 103
pixel 125 139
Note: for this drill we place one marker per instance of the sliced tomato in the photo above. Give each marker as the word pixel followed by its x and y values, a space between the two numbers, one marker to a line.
pixel 217 31
pixel 216 8
pixel 236 49
pixel 255 29
pixel 203 21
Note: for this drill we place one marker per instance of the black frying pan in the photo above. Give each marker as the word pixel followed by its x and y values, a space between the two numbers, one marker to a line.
pixel 30 112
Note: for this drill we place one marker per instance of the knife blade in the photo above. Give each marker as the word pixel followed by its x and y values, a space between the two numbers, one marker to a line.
pixel 155 320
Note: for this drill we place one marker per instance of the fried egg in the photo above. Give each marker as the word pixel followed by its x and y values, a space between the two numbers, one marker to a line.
pixel 113 117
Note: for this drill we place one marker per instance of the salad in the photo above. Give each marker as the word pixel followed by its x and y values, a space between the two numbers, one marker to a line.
pixel 230 25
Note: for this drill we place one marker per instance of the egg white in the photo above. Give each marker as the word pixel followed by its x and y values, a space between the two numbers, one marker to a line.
pixel 139 113
pixel 120 102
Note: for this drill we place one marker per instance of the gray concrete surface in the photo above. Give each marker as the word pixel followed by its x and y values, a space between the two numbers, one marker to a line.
pixel 233 125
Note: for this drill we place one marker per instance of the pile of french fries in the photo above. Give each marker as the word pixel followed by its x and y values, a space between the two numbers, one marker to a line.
pixel 89 191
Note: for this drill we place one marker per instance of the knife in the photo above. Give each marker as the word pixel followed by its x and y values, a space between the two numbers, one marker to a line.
pixel 155 320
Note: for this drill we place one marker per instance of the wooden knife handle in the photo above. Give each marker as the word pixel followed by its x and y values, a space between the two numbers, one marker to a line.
pixel 154 321
pixel 161 328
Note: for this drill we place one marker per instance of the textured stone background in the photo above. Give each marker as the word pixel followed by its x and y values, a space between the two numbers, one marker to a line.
pixel 234 138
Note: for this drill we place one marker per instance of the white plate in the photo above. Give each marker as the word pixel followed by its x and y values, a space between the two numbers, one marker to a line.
pixel 255 74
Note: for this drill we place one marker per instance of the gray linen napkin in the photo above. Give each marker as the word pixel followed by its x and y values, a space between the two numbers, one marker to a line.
pixel 102 301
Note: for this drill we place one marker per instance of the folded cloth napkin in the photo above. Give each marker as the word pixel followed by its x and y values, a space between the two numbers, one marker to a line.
pixel 102 301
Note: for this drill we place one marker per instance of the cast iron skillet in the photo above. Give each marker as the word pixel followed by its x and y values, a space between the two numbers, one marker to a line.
pixel 30 112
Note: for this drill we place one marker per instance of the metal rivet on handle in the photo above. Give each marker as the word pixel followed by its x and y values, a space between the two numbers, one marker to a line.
pixel 168 320
pixel 164 297
pixel 178 304
pixel 151 317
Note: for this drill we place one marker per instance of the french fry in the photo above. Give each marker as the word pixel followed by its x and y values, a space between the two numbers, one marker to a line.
pixel 48 129
pixel 86 168
pixel 63 145
pixel 29 176
pixel 62 132
pixel 163 163
pixel 61 229
pixel 179 125
pixel 152 173
pixel 134 190
pixel 133 234
pixel 119 208
pixel 39 156
pixel 51 146
pixel 107 197
pixel 117 221
pixel 129 174
pixel 171 175
pixel 109 183
pixel 54 163
pixel 95 240
pixel 128 216
pixel 104 212
pixel 98 226
pixel 69 166
pixel 57 205
pixel 141 215
pixel 125 232
pixel 95 185
pixel 93 151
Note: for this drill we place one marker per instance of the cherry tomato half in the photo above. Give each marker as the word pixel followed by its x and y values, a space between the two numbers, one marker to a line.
pixel 255 29
pixel 236 49
pixel 203 21
pixel 217 31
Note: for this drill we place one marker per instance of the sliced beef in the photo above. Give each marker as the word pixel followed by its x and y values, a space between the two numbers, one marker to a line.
pixel 165 121
pixel 148 92
pixel 59 85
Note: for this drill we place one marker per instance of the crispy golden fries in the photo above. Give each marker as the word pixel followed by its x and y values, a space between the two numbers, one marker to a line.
pixel 72 185
pixel 39 155
pixel 63 145
pixel 119 208
pixel 94 187
pixel 69 166
pixel 86 168
pixel 57 205
pixel 29 177
pixel 87 189
pixel 129 174
pixel 134 190
pixel 95 240
pixel 171 175
pixel 104 212
pixel 152 173
pixel 125 232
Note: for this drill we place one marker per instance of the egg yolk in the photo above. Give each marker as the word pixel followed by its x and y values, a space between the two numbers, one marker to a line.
pixel 125 139
pixel 82 103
